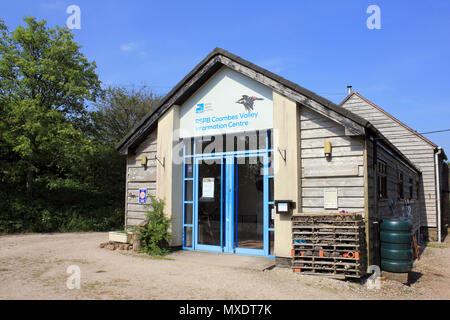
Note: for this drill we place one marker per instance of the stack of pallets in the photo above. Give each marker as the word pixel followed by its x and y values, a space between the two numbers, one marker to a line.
pixel 329 245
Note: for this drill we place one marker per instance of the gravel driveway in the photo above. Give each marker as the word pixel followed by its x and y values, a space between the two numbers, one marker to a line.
pixel 33 266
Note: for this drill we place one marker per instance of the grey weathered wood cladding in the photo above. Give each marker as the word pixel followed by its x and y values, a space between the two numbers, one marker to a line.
pixel 416 148
pixel 341 171
pixel 139 177
pixel 345 170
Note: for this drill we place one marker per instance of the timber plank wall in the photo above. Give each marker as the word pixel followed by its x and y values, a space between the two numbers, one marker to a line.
pixel 351 170
pixel 420 152
pixel 138 177
pixel 344 171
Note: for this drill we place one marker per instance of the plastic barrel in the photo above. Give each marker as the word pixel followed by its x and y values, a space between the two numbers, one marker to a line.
pixel 396 254
pixel 397 266
pixel 396 245
pixel 396 237
pixel 396 225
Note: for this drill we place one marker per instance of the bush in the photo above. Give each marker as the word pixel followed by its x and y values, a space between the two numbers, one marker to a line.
pixel 155 236
pixel 64 209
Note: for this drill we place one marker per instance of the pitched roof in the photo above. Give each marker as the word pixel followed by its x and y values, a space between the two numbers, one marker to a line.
pixel 212 63
pixel 200 74
pixel 354 93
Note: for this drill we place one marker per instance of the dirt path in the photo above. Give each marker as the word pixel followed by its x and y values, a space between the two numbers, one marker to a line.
pixel 34 267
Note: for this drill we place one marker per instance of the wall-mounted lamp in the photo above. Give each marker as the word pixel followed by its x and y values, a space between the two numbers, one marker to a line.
pixel 282 154
pixel 144 161
pixel 160 162
pixel 327 149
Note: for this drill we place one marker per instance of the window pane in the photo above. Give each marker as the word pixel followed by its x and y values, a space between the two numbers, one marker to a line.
pixel 270 189
pixel 198 145
pixel 249 204
pixel 270 164
pixel 245 141
pixel 271 216
pixel 271 242
pixel 188 170
pixel 400 186
pixel 212 144
pixel 188 213
pixel 262 139
pixel 188 147
pixel 418 191
pixel 188 237
pixel 209 212
pixel 269 133
pixel 188 190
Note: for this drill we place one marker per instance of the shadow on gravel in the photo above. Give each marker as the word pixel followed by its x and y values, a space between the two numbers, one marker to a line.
pixel 413 276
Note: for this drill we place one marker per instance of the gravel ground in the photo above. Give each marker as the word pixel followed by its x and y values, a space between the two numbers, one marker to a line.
pixel 33 266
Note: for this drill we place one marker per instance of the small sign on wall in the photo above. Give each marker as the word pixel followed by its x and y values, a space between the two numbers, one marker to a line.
pixel 284 206
pixel 142 196
pixel 330 198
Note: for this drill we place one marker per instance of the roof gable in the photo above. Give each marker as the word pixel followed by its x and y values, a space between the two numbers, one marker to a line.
pixel 228 97
pixel 209 66
pixel 356 94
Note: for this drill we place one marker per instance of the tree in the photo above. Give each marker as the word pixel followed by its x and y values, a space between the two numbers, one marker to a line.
pixel 118 111
pixel 44 83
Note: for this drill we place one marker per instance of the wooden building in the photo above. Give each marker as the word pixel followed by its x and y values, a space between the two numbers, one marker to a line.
pixel 426 155
pixel 236 151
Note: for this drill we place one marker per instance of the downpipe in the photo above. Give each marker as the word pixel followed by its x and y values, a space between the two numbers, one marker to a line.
pixel 438 192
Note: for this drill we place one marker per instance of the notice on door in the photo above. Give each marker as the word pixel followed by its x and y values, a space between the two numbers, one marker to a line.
pixel 208 188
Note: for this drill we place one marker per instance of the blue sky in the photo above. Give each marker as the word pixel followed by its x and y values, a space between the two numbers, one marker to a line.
pixel 322 45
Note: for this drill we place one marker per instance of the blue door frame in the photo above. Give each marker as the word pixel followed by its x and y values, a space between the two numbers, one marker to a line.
pixel 205 247
pixel 246 251
pixel 228 203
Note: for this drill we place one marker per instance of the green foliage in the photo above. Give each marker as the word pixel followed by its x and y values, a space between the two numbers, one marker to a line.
pixel 119 110
pixel 44 83
pixel 437 245
pixel 155 235
pixel 49 167
pixel 67 206
pixel 59 170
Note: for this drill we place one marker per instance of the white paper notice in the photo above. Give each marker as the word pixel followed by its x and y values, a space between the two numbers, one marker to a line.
pixel 208 188
pixel 330 199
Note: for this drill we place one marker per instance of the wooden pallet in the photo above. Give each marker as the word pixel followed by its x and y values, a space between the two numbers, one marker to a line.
pixel 321 241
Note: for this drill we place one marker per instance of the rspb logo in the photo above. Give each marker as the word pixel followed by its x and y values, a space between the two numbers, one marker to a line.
pixel 200 108
pixel 203 107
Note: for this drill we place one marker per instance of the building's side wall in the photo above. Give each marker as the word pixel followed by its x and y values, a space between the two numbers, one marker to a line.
pixel 416 149
pixel 400 209
pixel 379 209
pixel 170 174
pixel 447 196
pixel 371 196
pixel 343 171
pixel 346 171
pixel 444 180
pixel 162 179
pixel 286 173
pixel 138 177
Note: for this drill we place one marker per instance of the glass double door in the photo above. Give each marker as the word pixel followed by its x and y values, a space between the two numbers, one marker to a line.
pixel 231 204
